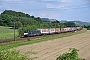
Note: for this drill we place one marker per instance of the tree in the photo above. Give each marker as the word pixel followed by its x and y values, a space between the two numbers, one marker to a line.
pixel 21 31
pixel 17 24
pixel 55 24
pixel 32 16
pixel 38 19
pixel 73 55
pixel 32 27
pixel 70 24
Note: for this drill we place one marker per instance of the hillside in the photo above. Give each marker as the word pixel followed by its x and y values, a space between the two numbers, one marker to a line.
pixel 45 19
pixel 81 23
pixel 78 23
pixel 8 17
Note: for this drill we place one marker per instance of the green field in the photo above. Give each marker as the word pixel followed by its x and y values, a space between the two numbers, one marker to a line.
pixel 7 33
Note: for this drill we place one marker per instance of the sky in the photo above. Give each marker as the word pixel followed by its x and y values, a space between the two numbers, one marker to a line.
pixel 71 10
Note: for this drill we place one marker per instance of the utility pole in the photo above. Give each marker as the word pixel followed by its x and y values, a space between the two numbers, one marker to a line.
pixel 14 31
pixel 60 24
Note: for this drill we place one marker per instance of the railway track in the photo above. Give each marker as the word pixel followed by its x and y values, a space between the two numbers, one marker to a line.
pixel 28 38
pixel 19 39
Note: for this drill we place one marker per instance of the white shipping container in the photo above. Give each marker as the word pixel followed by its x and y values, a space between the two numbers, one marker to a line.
pixel 65 29
pixel 52 30
pixel 62 30
pixel 44 31
pixel 57 30
pixel 69 29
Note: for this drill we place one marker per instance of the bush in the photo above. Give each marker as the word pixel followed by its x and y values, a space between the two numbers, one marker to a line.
pixel 73 55
pixel 12 55
pixel 21 31
pixel 88 28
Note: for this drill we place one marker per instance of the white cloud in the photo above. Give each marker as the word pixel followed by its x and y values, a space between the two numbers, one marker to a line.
pixel 48 14
pixel 65 0
pixel 58 0
pixel 50 6
pixel 22 1
pixel 32 1
pixel 57 6
pixel 12 0
pixel 48 0
pixel 53 6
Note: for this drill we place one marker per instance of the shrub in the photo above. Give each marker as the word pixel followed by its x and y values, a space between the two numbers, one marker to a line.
pixel 73 55
pixel 12 55
pixel 21 31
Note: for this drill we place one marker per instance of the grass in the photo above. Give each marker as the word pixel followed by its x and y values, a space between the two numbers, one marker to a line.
pixel 31 52
pixel 46 38
pixel 6 33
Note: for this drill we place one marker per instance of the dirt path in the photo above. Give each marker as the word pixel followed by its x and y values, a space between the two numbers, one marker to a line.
pixel 50 50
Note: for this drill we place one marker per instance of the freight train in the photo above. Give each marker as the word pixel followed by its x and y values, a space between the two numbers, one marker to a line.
pixel 39 32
